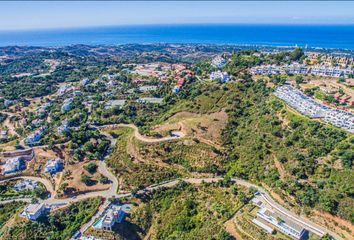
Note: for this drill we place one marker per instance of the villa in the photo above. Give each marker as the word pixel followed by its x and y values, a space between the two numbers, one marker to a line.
pixel 150 100
pixel 220 76
pixel 25 185
pixel 218 62
pixel 115 103
pixel 284 224
pixel 33 211
pixel 147 88
pixel 67 104
pixel 115 214
pixel 34 137
pixel 53 166
pixel 3 134
pixel 12 165
pixel 63 127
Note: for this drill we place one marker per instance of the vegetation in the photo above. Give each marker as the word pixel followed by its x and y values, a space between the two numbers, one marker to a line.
pixel 186 212
pixel 58 225
pixel 8 210
pixel 132 172
pixel 262 131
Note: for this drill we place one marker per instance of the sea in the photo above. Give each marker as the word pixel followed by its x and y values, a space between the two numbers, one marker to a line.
pixel 322 36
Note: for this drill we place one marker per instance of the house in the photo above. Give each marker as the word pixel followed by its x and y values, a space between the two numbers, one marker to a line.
pixel 3 134
pixel 77 93
pixel 115 103
pixel 67 104
pixel 150 100
pixel 283 223
pixel 34 137
pixel 115 214
pixel 63 127
pixel 218 62
pixel 63 89
pixel 53 166
pixel 220 76
pixel 37 122
pixel 12 165
pixel 85 81
pixel 176 89
pixel 33 211
pixel 147 88
pixel 25 185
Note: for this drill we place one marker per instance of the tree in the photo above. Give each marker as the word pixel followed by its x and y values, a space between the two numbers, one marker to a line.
pixel 299 79
pixel 296 54
pixel 91 168
pixel 86 179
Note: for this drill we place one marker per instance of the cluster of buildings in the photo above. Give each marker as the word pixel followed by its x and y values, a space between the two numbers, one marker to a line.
pixel 329 60
pixel 306 105
pixel 220 76
pixel 114 214
pixel 296 68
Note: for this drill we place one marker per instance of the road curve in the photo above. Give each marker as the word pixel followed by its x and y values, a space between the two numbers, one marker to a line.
pixel 137 134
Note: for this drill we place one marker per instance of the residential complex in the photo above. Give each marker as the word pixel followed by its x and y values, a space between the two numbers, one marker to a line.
pixel 306 105
pixel 296 68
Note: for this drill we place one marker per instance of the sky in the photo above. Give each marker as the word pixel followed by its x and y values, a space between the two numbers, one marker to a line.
pixel 65 14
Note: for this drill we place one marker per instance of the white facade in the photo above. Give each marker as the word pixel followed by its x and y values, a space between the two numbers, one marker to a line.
pixel 53 165
pixel 12 165
pixel 33 211
pixel 221 76
pixel 218 62
pixel 282 223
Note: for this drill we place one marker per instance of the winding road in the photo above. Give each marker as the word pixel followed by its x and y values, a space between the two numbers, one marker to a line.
pixel 112 191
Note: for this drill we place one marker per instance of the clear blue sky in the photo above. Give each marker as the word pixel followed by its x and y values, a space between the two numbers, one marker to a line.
pixel 30 15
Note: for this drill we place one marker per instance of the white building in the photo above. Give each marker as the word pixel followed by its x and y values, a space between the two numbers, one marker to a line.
pixel 85 81
pixel 67 104
pixel 147 88
pixel 220 76
pixel 63 89
pixel 63 127
pixel 12 165
pixel 25 185
pixel 284 224
pixel 114 214
pixel 54 165
pixel 3 134
pixel 34 137
pixel 115 103
pixel 150 100
pixel 218 62
pixel 33 211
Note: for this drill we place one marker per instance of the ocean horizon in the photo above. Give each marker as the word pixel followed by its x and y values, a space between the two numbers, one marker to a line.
pixel 322 36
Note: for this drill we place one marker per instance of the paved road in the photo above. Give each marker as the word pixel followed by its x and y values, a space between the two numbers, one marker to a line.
pixel 137 134
pixel 112 191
